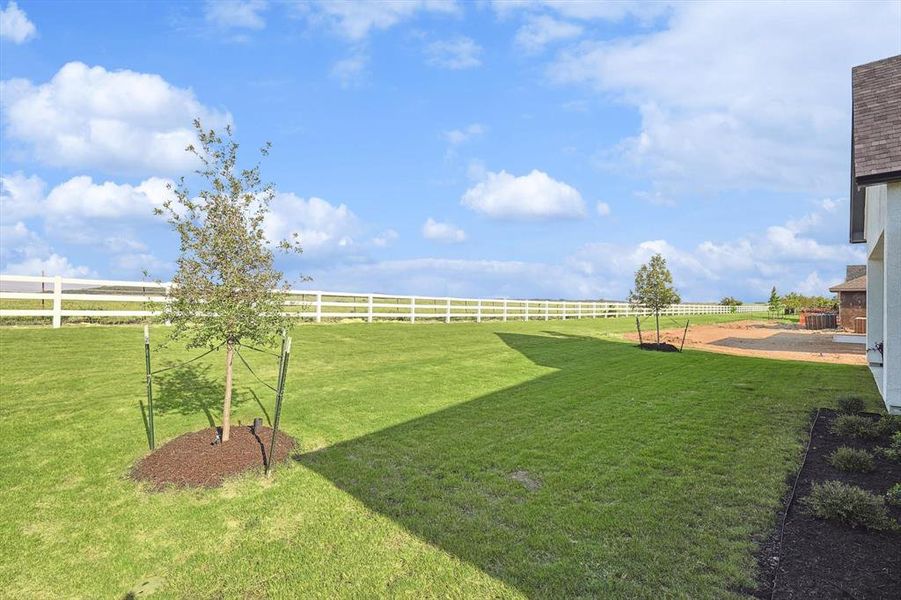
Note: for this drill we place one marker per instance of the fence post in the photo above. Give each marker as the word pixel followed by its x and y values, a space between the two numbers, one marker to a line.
pixel 579 308
pixel 447 315
pixel 564 310
pixel 412 310
pixel 478 311
pixel 57 302
pixel 318 307
pixel 505 309
pixel 547 312
pixel 369 306
pixel 527 311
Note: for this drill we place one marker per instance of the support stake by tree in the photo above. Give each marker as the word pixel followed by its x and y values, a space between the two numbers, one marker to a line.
pixel 654 289
pixel 226 288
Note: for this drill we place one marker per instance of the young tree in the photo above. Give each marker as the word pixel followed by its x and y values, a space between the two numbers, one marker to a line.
pixel 775 301
pixel 654 288
pixel 226 289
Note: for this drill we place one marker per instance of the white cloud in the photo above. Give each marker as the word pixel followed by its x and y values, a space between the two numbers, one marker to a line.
pixel 355 20
pixel 81 198
pixel 533 196
pixel 80 211
pixel 603 209
pixel 456 53
pixel 655 197
pixel 447 233
pixel 114 121
pixel 350 71
pixel 456 277
pixel 385 238
pixel 20 196
pixel 14 24
pixel 746 268
pixel 54 264
pixel 643 10
pixel 323 227
pixel 717 115
pixel 541 30
pixel 455 137
pixel 23 252
pixel 243 14
pixel 137 262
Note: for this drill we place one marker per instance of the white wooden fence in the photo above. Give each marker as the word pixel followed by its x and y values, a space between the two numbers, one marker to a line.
pixel 27 297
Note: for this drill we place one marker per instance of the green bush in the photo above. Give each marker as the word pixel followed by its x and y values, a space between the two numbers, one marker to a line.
pixel 852 460
pixel 888 425
pixel 850 404
pixel 848 504
pixel 894 495
pixel 893 452
pixel 856 426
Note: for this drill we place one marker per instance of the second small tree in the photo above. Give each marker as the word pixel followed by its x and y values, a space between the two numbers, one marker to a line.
pixel 654 288
pixel 226 289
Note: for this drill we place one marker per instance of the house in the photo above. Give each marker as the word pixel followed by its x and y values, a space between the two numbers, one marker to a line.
pixel 876 213
pixel 852 299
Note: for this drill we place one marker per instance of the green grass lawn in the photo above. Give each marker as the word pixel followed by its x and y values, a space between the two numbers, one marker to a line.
pixel 540 459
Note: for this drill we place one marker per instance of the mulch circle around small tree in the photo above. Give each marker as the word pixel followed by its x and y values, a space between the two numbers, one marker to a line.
pixel 661 347
pixel 824 559
pixel 193 460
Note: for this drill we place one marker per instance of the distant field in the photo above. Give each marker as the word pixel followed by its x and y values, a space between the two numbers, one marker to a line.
pixel 540 459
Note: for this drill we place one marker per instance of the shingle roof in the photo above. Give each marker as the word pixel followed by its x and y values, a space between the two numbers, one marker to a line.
pixel 876 92
pixel 854 285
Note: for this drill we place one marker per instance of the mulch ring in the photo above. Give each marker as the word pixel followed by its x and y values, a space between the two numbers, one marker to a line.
pixel 661 347
pixel 825 559
pixel 191 460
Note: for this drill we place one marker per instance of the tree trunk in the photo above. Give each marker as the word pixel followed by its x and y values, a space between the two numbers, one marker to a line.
pixel 227 404
pixel 657 317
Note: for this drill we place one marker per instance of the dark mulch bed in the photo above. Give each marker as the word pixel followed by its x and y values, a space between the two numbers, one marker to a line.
pixel 191 460
pixel 821 559
pixel 661 347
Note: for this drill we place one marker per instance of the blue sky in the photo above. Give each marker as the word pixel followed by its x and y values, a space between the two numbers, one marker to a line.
pixel 519 149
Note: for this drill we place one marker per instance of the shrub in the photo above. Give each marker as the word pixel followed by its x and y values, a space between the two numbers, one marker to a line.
pixel 894 495
pixel 849 504
pixel 850 459
pixel 850 404
pixel 893 452
pixel 888 425
pixel 855 425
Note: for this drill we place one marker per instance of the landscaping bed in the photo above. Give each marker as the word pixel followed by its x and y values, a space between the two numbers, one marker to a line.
pixel 821 558
pixel 194 460
pixel 661 347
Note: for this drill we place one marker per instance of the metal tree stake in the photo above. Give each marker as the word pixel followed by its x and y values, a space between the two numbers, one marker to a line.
pixel 684 334
pixel 282 372
pixel 149 387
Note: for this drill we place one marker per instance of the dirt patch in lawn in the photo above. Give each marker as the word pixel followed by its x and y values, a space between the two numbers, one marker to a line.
pixel 767 339
pixel 825 559
pixel 193 460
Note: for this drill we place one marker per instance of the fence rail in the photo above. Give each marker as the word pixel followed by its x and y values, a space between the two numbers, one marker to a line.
pixel 27 297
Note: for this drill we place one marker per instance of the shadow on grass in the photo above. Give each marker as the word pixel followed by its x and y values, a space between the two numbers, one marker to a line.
pixel 190 390
pixel 581 482
pixel 194 389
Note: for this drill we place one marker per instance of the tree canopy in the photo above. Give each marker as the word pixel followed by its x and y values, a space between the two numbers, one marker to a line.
pixel 654 288
pixel 226 289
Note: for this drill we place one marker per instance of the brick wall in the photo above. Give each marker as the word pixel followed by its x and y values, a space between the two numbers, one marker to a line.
pixel 851 305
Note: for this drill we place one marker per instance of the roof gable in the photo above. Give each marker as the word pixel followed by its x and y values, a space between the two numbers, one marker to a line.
pixel 858 284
